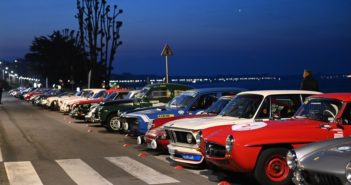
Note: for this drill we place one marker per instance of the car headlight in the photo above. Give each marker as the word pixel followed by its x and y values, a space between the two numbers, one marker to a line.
pixel 199 138
pixel 229 143
pixel 163 133
pixel 291 159
pixel 189 138
pixel 348 171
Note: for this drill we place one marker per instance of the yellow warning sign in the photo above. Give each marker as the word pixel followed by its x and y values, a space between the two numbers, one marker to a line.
pixel 167 51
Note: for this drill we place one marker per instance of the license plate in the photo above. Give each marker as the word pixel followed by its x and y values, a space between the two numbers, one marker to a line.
pixel 191 157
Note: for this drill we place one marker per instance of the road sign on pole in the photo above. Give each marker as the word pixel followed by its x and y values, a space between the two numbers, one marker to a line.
pixel 167 52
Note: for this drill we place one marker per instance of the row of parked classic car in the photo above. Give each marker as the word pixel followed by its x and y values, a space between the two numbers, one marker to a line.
pixel 279 136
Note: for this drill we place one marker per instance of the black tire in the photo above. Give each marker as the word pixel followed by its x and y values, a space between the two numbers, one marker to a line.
pixel 53 106
pixel 271 167
pixel 109 123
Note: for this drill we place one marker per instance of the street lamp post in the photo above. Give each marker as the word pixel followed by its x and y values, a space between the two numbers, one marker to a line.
pixel 166 52
pixel 2 70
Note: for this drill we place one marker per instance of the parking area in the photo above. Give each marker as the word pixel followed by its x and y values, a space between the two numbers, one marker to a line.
pixel 39 146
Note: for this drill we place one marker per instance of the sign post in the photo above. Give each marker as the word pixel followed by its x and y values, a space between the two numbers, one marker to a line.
pixel 166 52
pixel 89 79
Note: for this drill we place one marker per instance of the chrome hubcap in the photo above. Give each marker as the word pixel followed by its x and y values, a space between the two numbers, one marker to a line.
pixel 115 124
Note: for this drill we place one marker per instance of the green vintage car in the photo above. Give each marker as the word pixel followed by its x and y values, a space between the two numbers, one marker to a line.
pixel 154 95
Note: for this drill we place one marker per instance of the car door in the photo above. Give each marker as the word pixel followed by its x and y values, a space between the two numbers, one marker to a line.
pixel 279 107
pixel 329 113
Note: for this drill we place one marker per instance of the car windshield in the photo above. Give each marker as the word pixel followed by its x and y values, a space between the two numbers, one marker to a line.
pixel 54 92
pixel 86 94
pixel 142 92
pixel 78 93
pixel 111 96
pixel 319 109
pixel 63 94
pixel 183 100
pixel 242 106
pixel 100 94
pixel 131 94
pixel 216 107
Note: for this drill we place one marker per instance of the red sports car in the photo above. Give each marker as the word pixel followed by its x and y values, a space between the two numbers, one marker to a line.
pixel 100 99
pixel 261 147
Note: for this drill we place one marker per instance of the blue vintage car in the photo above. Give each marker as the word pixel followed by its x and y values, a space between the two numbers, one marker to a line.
pixel 188 103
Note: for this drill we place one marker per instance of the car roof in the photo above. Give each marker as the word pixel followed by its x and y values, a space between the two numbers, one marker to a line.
pixel 96 90
pixel 169 84
pixel 227 97
pixel 277 92
pixel 116 90
pixel 217 89
pixel 338 96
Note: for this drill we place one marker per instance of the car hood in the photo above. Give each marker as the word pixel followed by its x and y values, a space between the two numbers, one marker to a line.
pixel 206 122
pixel 117 102
pixel 306 151
pixel 81 102
pixel 74 100
pixel 69 98
pixel 217 134
pixel 53 98
pixel 333 153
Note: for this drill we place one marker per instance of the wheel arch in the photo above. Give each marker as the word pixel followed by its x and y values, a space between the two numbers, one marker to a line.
pixel 268 146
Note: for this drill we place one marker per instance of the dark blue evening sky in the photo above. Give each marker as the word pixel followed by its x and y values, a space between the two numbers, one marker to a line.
pixel 208 37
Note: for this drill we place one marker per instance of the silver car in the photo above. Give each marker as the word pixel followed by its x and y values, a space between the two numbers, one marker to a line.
pixel 322 163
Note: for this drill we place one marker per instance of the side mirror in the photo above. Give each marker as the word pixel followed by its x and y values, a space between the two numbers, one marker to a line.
pixel 276 117
pixel 339 122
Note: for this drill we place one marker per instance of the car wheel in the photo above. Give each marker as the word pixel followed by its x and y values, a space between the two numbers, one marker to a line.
pixel 113 123
pixel 271 167
pixel 52 106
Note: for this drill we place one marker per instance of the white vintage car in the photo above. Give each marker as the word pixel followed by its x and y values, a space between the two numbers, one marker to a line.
pixel 52 102
pixel 66 105
pixel 246 107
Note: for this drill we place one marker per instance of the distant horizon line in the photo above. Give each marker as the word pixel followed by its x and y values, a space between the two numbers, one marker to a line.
pixel 221 75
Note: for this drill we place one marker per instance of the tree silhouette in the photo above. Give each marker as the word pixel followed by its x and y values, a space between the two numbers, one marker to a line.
pixel 99 35
pixel 58 57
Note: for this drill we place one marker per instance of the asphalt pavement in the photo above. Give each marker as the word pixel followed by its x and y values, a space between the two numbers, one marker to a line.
pixel 38 146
